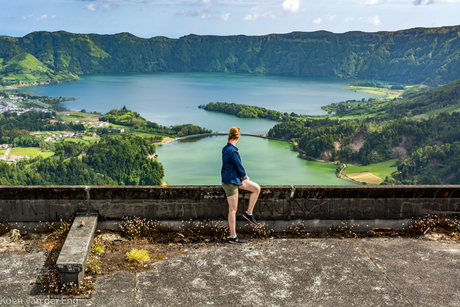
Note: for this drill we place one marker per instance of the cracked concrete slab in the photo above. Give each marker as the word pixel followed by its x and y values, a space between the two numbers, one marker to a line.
pixel 117 289
pixel 16 267
pixel 426 272
pixel 299 272
pixel 275 273
pixel 18 273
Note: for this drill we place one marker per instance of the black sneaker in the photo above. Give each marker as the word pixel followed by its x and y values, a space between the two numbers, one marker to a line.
pixel 236 240
pixel 250 218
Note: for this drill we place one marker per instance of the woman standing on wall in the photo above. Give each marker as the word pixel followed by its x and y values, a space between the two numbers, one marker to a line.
pixel 234 177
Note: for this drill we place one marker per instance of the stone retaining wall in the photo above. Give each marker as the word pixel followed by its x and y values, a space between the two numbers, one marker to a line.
pixel 49 203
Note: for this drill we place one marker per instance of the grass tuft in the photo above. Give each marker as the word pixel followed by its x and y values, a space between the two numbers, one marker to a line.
pixel 140 256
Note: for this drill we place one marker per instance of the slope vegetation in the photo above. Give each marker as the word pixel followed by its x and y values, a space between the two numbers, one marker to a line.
pixel 430 56
pixel 421 131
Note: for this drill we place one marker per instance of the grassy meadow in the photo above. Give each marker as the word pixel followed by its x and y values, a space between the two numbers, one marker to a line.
pixel 30 152
pixel 372 173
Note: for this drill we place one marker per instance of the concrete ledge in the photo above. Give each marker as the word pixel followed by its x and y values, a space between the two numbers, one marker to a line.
pixel 33 204
pixel 72 259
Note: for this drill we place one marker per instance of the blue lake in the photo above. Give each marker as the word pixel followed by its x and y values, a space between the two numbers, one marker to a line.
pixel 173 98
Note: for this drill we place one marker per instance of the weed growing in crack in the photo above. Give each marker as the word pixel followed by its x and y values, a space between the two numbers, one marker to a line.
pixel 5 227
pixel 136 227
pixel 99 248
pixel 93 264
pixel 50 279
pixel 86 287
pixel 433 223
pixel 59 229
pixel 343 230
pixel 297 229
pixel 207 228
pixel 259 230
pixel 140 256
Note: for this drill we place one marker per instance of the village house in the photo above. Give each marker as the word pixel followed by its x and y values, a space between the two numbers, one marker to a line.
pixel 16 158
pixel 54 121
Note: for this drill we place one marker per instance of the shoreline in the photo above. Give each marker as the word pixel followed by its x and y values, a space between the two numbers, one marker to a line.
pixel 170 140
pixel 34 83
pixel 301 155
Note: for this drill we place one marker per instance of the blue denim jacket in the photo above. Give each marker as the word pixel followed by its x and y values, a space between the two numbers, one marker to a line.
pixel 232 169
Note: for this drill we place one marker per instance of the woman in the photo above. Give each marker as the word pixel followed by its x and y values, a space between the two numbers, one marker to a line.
pixel 234 177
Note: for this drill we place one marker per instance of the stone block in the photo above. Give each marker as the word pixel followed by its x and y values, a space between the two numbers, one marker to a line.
pixel 77 246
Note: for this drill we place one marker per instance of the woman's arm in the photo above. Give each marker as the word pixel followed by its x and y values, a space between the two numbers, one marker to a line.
pixel 236 160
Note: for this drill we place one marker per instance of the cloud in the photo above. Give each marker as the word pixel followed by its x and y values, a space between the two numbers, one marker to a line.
pixel 206 1
pixel 42 17
pixel 331 17
pixel 423 2
pixel 291 6
pixel 92 7
pixel 104 5
pixel 203 13
pixel 224 16
pixel 374 2
pixel 257 12
pixel 375 20
pixel 317 20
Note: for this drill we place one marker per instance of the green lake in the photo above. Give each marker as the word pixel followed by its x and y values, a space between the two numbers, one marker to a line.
pixel 268 162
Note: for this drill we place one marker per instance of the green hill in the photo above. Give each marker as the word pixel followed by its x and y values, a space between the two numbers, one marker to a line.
pixel 25 69
pixel 430 56
pixel 425 102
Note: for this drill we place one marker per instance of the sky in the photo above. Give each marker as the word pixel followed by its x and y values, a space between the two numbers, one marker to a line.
pixel 177 18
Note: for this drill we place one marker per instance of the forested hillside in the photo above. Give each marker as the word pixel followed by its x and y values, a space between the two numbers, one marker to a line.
pixel 430 56
pixel 124 160
pixel 427 147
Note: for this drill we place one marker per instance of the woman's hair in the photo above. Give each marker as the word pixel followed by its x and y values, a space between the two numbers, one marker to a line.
pixel 234 133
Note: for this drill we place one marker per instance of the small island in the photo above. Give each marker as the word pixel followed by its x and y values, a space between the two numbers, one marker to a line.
pixel 246 111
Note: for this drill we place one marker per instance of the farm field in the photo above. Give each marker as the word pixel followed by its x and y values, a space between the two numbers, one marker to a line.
pixel 373 173
pixel 383 91
pixel 30 152
pixel 81 116
pixel 366 177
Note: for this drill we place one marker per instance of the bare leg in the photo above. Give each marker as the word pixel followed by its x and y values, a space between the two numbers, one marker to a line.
pixel 254 188
pixel 232 208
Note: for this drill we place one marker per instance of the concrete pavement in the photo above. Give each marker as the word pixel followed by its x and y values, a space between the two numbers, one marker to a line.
pixel 277 272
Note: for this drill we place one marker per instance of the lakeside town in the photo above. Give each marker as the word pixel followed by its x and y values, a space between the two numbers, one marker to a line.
pixel 10 104
pixel 18 105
